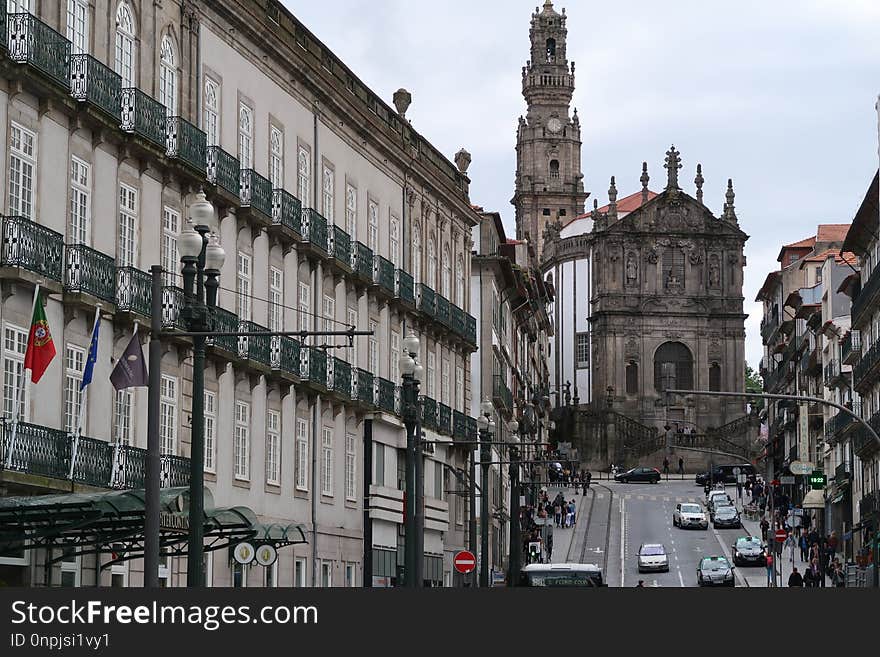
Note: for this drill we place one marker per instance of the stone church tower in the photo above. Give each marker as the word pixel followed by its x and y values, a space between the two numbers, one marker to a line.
pixel 549 183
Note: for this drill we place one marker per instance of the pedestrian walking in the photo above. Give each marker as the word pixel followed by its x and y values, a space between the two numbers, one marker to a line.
pixel 557 513
pixel 765 525
pixel 795 579
pixel 681 466
pixel 641 584
pixel 739 489
pixel 769 565
pixel 838 578
pixel 666 466
pixel 804 545
pixel 818 575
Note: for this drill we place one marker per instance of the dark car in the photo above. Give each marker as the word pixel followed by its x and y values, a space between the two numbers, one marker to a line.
pixel 724 473
pixel 748 551
pixel 725 516
pixel 651 475
pixel 715 571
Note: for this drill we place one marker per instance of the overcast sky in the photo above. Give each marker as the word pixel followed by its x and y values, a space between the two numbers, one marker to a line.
pixel 777 95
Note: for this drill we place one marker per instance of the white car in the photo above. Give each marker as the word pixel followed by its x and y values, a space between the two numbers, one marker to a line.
pixel 718 496
pixel 652 556
pixel 689 515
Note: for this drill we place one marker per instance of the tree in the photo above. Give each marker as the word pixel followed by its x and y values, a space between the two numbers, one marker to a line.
pixel 754 383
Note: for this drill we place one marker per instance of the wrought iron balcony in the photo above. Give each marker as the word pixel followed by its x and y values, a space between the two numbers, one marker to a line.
pixel 224 321
pixel 405 287
pixel 444 419
pixel 144 116
pixel 134 291
pixel 341 377
pixel 315 228
pixel 383 273
pixel 185 142
pixel 768 327
pixel 365 383
pixel 869 506
pixel 385 392
pixel 425 298
pixel 843 472
pixel 256 348
pixel 362 261
pixel 457 321
pixel 94 83
pixel 89 271
pixel 833 374
pixel 863 304
pixel 501 393
pixel 287 211
pixel 32 42
pixel 28 245
pixel 470 329
pixel 863 443
pixel 317 366
pixel 835 426
pixel 255 192
pixel 285 354
pixel 464 428
pixel 429 413
pixel 172 305
pixel 223 171
pixel 444 311
pixel 851 347
pixel 865 371
pixel 340 247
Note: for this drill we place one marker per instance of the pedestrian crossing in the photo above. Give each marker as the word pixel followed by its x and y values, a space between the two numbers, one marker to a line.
pixel 654 498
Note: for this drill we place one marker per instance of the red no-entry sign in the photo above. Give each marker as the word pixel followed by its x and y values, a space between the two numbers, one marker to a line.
pixel 781 535
pixel 464 561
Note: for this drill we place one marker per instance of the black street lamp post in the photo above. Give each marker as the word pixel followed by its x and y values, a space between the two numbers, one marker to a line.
pixel 515 509
pixel 202 257
pixel 411 373
pixel 486 426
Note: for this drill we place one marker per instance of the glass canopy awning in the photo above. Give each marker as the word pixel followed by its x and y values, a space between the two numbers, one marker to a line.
pixel 113 522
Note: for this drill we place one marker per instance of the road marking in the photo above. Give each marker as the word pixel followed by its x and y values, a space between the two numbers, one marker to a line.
pixel 640 497
pixel 601 496
pixel 622 539
pixel 655 584
pixel 680 578
pixel 653 498
pixel 679 499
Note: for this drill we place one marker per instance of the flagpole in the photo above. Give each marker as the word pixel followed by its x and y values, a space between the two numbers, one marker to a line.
pixel 83 398
pixel 18 393
pixel 114 471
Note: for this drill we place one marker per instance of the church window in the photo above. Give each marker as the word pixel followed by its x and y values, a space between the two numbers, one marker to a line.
pixel 673 367
pixel 673 268
pixel 546 212
pixel 632 378
pixel 582 350
pixel 551 50
pixel 714 377
pixel 554 168
pixel 562 212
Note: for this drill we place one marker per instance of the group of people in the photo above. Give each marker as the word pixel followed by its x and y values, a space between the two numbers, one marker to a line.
pixel 820 554
pixel 539 520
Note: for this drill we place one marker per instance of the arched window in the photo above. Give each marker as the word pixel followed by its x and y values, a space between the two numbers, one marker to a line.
pixel 715 377
pixel 551 50
pixel 246 137
pixel 125 55
pixel 554 168
pixel 168 76
pixel 632 378
pixel 417 253
pixel 445 272
pixel 77 25
pixel 431 271
pixel 459 282
pixel 673 367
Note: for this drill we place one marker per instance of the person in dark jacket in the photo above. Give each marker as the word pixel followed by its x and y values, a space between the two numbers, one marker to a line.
pixel 795 578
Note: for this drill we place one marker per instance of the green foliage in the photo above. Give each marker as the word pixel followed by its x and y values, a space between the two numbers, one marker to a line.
pixel 754 383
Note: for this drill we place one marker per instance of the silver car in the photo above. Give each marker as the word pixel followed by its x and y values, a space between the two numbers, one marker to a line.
pixel 689 515
pixel 652 556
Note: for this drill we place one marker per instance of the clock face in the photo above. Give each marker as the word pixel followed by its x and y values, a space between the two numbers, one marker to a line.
pixel 554 125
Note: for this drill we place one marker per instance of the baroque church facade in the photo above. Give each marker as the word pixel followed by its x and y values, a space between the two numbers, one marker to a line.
pixel 648 287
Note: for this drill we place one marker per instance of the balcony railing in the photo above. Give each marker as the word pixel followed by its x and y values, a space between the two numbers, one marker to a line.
pixel 457 320
pixel 89 271
pixel 444 311
pixel 224 321
pixel 287 211
pixel 429 413
pixel 223 171
pixel 317 365
pixel 425 299
pixel 362 261
pixel 383 273
pixel 768 327
pixel 862 302
pixel 470 329
pixel 385 394
pixel 257 348
pixel 405 287
pixel 315 228
pixel 843 471
pixel 838 422
pixel 501 392
pixel 172 305
pixel 364 386
pixel 340 246
pixel 97 84
pixel 28 245
pixel 341 377
pixel 464 428
pixel 186 143
pixel 866 366
pixel 31 41
pixel 134 291
pixel 832 372
pixel 869 506
pixel 255 192
pixel 285 354
pixel 851 347
pixel 444 419
pixel 144 116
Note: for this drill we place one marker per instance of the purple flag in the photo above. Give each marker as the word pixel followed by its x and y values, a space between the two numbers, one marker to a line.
pixel 131 368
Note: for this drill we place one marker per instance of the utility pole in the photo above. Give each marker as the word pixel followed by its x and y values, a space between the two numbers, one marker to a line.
pixel 472 507
pixel 486 426
pixel 515 539
pixel 368 523
pixel 152 481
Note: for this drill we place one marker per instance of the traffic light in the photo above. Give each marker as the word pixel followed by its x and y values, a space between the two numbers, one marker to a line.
pixel 817 480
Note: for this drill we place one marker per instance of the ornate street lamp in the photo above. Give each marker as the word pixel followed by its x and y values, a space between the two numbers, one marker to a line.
pixel 486 426
pixel 515 509
pixel 411 373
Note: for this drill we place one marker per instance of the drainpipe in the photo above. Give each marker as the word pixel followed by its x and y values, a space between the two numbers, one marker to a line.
pixel 317 283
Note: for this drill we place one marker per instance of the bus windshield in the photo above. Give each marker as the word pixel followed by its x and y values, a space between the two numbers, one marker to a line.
pixel 562 578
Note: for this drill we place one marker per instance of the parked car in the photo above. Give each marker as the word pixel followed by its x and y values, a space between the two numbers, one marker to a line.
pixel 724 473
pixel 725 516
pixel 748 551
pixel 715 571
pixel 717 497
pixel 652 556
pixel 650 475
pixel 689 515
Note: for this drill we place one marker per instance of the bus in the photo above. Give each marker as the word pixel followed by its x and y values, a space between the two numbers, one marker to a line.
pixel 585 575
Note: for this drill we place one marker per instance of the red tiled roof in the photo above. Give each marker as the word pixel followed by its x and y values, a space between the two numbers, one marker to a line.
pixel 808 243
pixel 624 205
pixel 827 253
pixel 831 232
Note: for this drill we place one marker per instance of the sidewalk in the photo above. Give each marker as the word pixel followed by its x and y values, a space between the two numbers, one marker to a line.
pixel 564 538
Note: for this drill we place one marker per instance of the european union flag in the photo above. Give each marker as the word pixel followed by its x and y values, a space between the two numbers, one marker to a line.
pixel 93 356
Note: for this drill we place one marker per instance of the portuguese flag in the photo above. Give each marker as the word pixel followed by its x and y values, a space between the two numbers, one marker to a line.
pixel 40 348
